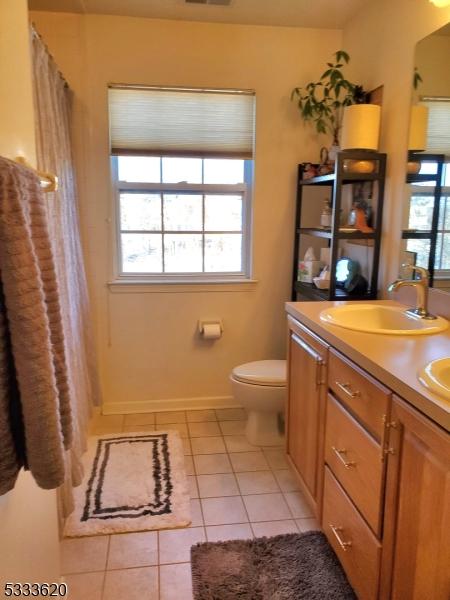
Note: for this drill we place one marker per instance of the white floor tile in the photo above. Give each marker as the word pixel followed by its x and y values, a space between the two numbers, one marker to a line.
pixel 286 480
pixel 223 511
pixel 298 505
pixel 84 554
pixel 132 584
pixel 231 414
pixel 85 586
pixel 193 488
pixel 307 524
pixel 133 550
pixel 239 443
pixel 175 544
pixel 203 429
pixel 266 507
pixel 207 445
pixel 196 513
pixel 213 486
pixel 271 528
pixel 260 482
pixel 221 533
pixel 138 428
pixel 140 419
pixel 170 417
pixel 200 416
pixel 276 457
pixel 189 465
pixel 180 427
pixel 187 446
pixel 248 461
pixel 233 427
pixel 176 582
pixel 208 464
pixel 103 424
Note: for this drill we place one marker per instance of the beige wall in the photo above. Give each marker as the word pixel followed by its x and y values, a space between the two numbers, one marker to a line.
pixel 28 525
pixel 432 59
pixel 147 341
pixel 381 41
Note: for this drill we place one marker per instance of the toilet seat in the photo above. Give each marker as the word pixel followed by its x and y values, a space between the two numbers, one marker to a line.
pixel 262 372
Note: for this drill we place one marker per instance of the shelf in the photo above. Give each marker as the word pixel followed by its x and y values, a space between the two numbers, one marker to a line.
pixel 342 235
pixel 310 291
pixel 416 178
pixel 346 178
pixel 416 235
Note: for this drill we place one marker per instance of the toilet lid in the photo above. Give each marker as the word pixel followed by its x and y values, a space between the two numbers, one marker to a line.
pixel 262 372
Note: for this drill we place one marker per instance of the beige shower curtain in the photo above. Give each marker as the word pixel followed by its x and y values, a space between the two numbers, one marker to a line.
pixel 54 154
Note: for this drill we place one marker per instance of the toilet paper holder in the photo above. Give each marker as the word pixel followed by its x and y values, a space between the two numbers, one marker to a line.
pixel 203 322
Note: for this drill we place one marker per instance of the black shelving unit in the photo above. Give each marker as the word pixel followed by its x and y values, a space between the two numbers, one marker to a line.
pixel 435 180
pixel 336 183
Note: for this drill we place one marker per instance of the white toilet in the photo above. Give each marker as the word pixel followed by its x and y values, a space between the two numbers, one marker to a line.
pixel 261 389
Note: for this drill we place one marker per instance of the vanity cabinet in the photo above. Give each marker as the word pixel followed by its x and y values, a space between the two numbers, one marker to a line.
pixel 305 410
pixel 381 487
pixel 417 521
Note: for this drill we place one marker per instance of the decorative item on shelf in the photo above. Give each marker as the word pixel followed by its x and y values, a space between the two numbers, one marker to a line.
pixel 417 139
pixel 349 278
pixel 358 217
pixel 309 267
pixel 323 280
pixel 361 127
pixel 310 170
pixel 322 102
pixel 358 166
pixel 325 217
pixel 326 165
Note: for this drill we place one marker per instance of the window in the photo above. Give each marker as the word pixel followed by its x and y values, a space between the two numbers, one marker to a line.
pixel 182 163
pixel 420 218
pixel 198 227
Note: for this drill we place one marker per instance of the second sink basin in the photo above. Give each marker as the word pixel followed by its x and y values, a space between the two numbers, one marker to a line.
pixel 378 318
pixel 436 376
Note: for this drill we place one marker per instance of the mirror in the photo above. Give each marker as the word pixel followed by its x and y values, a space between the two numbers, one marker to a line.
pixel 426 219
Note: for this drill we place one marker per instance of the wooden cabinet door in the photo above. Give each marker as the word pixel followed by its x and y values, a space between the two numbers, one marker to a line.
pixel 306 398
pixel 417 519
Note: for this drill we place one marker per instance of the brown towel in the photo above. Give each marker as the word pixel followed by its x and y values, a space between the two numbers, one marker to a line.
pixel 34 323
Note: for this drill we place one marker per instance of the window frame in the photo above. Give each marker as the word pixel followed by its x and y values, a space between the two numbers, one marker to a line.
pixel 245 189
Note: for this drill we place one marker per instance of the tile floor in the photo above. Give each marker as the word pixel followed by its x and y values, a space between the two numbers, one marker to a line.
pixel 237 491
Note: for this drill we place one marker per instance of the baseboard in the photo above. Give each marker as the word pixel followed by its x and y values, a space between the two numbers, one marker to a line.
pixel 171 404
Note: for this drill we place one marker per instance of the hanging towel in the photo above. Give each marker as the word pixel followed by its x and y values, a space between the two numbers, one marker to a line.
pixel 34 325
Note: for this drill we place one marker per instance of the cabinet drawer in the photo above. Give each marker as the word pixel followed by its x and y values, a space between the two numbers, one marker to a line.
pixel 366 397
pixel 355 459
pixel 355 545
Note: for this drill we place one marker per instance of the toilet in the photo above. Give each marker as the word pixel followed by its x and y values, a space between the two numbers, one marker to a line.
pixel 260 387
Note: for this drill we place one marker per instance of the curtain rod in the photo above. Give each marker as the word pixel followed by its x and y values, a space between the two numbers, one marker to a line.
pixel 49 181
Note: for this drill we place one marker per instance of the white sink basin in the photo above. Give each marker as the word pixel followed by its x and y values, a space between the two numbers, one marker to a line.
pixel 436 376
pixel 378 318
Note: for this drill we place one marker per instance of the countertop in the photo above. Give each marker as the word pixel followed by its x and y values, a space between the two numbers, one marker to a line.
pixel 393 360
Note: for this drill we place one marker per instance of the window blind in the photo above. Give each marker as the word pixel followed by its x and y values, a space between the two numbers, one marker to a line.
pixel 182 122
pixel 438 135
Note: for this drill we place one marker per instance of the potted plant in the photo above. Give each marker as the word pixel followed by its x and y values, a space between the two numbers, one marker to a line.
pixel 322 102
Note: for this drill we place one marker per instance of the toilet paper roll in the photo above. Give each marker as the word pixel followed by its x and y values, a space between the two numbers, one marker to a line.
pixel 212 331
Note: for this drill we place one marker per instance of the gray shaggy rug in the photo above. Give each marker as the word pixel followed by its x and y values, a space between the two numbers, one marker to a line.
pixel 285 567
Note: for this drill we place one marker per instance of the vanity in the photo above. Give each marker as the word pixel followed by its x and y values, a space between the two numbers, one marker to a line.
pixel 371 448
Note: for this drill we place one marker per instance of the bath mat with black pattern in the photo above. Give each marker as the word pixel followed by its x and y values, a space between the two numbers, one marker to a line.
pixel 285 567
pixel 132 482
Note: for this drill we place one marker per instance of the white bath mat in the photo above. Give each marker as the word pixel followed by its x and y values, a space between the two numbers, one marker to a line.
pixel 133 482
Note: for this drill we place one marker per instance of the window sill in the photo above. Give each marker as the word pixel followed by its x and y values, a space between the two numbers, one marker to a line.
pixel 177 286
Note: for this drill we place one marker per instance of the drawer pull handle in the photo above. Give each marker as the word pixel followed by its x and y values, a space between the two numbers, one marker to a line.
pixel 337 533
pixel 340 453
pixel 346 388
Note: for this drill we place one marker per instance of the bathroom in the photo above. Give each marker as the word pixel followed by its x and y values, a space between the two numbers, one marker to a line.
pixel 150 355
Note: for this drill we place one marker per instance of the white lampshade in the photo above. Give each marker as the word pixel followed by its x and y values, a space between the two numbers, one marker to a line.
pixel 418 128
pixel 361 127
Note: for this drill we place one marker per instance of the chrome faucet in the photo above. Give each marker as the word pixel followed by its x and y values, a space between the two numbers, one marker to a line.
pixel 421 286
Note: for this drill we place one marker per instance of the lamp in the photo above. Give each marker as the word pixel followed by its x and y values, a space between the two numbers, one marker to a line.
pixel 361 127
pixel 417 140
pixel 440 3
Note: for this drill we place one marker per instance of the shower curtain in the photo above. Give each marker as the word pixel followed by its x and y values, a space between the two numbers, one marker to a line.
pixel 54 154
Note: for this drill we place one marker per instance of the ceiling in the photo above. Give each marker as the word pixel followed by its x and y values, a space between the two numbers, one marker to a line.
pixel 294 13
